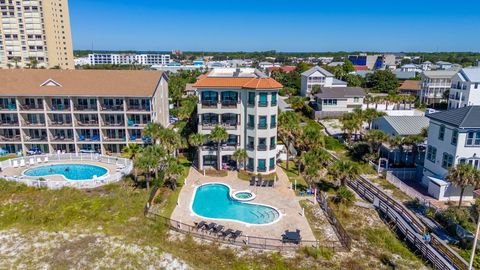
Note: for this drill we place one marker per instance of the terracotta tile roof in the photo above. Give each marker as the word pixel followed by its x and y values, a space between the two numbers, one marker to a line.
pixel 360 67
pixel 125 83
pixel 247 83
pixel 284 68
pixel 410 85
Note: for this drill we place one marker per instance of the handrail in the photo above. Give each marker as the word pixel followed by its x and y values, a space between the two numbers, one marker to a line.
pixel 332 218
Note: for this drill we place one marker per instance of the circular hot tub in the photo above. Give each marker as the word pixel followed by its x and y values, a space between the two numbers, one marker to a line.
pixel 243 196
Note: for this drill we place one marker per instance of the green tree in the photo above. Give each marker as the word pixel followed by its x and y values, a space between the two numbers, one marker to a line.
pixel 463 176
pixel 376 138
pixel 383 81
pixel 371 114
pixel 240 156
pixel 172 172
pixel 132 151
pixel 344 170
pixel 348 66
pixel 196 140
pixel 313 162
pixel 353 80
pixel 219 135
pixel 288 126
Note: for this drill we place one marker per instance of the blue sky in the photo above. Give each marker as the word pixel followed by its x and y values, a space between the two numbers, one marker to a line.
pixel 282 25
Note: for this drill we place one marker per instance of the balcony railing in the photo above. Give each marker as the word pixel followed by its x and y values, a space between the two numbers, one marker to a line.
pixel 60 123
pixel 262 104
pixel 273 146
pixel 94 138
pixel 250 147
pixel 261 169
pixel 230 125
pixel 59 138
pixel 8 123
pixel 59 107
pixel 262 147
pixel 85 108
pixel 209 103
pixel 115 139
pixel 9 138
pixel 251 126
pixel 8 107
pixel 209 125
pixel 138 108
pixel 274 103
pixel 33 124
pixel 35 139
pixel 25 107
pixel 115 124
pixel 88 123
pixel 114 108
pixel 229 103
pixel 261 126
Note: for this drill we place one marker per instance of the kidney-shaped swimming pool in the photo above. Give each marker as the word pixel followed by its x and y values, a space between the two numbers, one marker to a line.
pixel 214 201
pixel 69 171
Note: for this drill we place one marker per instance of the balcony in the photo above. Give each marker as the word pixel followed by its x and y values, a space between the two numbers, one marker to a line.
pixel 262 147
pixel 263 104
pixel 209 103
pixel 261 169
pixel 85 108
pixel 59 108
pixel 60 123
pixel 8 107
pixel 16 138
pixel 273 146
pixel 33 124
pixel 93 138
pixel 229 103
pixel 112 108
pixel 139 108
pixel 274 102
pixel 209 124
pixel 116 124
pixel 30 107
pixel 89 123
pixel 116 139
pixel 35 139
pixel 8 123
pixel 62 138
pixel 262 126
pixel 250 126
pixel 230 125
pixel 250 146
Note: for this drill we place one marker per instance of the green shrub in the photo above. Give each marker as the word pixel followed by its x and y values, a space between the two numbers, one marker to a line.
pixel 317 253
pixel 344 195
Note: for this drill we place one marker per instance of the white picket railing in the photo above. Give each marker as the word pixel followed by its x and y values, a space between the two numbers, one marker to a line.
pixel 124 167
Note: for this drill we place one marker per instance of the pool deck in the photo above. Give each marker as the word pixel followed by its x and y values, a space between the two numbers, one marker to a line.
pixel 18 171
pixel 281 197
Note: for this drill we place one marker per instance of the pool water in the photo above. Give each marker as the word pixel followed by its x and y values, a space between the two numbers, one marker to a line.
pixel 214 201
pixel 244 195
pixel 69 171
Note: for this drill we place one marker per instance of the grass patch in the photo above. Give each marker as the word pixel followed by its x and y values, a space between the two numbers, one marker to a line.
pixel 246 176
pixel 384 239
pixel 312 220
pixel 334 144
pixel 385 185
pixel 216 173
pixel 318 253
pixel 170 197
pixel 293 175
pixel 3 158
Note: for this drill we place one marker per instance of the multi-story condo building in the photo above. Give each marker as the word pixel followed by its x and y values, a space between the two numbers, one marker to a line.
pixel 434 85
pixel 453 138
pixel 465 89
pixel 128 59
pixel 79 110
pixel 320 77
pixel 35 33
pixel 373 61
pixel 244 101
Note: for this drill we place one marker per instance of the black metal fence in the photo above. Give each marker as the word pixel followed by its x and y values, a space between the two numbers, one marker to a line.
pixel 243 240
pixel 342 234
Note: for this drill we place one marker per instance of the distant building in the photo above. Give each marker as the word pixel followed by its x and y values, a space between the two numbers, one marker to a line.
pixel 453 138
pixel 444 65
pixel 190 90
pixel 265 65
pixel 318 76
pixel 335 101
pixel 427 65
pixel 434 84
pixel 372 61
pixel 128 59
pixel 286 69
pixel 81 61
pixel 410 87
pixel 409 68
pixel 465 89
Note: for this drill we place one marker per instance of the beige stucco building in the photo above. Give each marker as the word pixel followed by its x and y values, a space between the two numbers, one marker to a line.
pixel 35 33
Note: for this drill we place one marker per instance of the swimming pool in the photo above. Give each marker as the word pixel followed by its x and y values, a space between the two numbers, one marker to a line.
pixel 76 172
pixel 214 201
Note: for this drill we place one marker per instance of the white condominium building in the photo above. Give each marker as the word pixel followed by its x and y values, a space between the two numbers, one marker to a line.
pixel 465 89
pixel 318 76
pixel 434 85
pixel 35 33
pixel 244 101
pixel 128 59
pixel 79 110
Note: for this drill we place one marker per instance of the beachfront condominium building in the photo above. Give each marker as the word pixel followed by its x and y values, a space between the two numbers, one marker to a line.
pixel 47 110
pixel 317 76
pixel 453 138
pixel 434 85
pixel 128 59
pixel 244 102
pixel 35 33
pixel 465 89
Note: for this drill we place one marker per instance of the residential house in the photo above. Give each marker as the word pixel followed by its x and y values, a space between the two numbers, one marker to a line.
pixel 444 65
pixel 465 90
pixel 410 87
pixel 320 77
pixel 453 138
pixel 244 102
pixel 79 110
pixel 335 101
pixel 434 85
pixel 286 69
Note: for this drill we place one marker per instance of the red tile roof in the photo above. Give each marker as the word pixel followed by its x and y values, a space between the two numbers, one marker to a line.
pixel 410 85
pixel 360 67
pixel 247 83
pixel 284 68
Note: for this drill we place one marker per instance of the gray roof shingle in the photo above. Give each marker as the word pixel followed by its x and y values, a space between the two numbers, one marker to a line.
pixel 340 92
pixel 407 125
pixel 319 69
pixel 466 117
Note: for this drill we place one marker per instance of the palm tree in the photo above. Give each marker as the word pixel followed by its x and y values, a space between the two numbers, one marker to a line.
pixel 396 142
pixel 463 175
pixel 413 141
pixel 132 151
pixel 16 60
pixel 287 128
pixel 172 171
pixel 196 140
pixel 312 136
pixel 344 170
pixel 170 139
pixel 313 162
pixel 150 160
pixel 376 138
pixel 240 156
pixel 152 130
pixel 219 135
pixel 371 114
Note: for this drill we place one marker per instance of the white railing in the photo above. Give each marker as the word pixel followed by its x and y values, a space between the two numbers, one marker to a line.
pixel 124 167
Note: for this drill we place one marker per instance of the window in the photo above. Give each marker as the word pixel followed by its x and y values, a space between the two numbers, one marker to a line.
pixel 261 165
pixel 262 144
pixel 250 164
pixel 441 133
pixel 274 98
pixel 272 163
pixel 273 121
pixel 447 160
pixel 262 122
pixel 356 99
pixel 263 100
pixel 330 102
pixel 251 98
pixel 431 153
pixel 273 143
pixel 473 139
pixel 251 143
pixel 454 137
pixel 251 121
pixel 476 86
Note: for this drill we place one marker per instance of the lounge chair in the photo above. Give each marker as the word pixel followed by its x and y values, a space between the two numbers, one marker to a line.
pixel 236 234
pixel 226 233
pixel 31 162
pixel 252 181
pixel 218 229
pixel 22 162
pixel 200 224
pixel 39 160
pixel 15 164
pixel 259 182
pixel 45 160
pixel 211 226
pixel 270 183
pixel 264 183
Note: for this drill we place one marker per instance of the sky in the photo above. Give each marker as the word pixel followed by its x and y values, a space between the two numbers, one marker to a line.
pixel 281 25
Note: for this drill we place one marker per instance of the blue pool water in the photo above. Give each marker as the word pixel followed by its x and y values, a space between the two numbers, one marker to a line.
pixel 70 171
pixel 214 201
